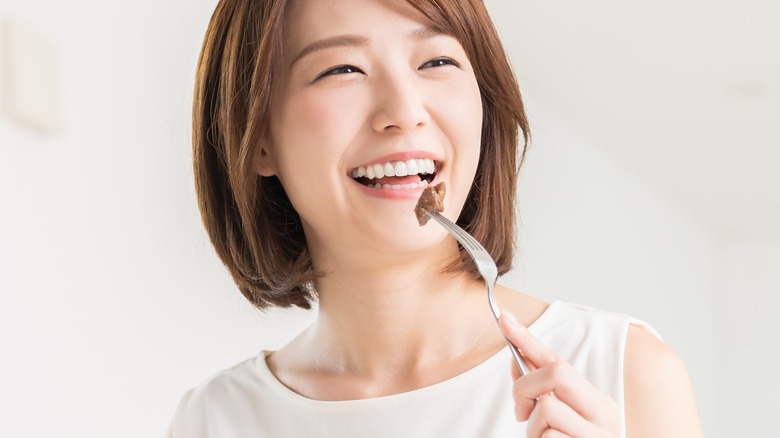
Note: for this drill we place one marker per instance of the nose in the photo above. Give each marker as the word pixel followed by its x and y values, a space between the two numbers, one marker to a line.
pixel 400 106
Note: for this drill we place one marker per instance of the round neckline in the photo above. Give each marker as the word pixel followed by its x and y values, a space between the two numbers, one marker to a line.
pixel 484 367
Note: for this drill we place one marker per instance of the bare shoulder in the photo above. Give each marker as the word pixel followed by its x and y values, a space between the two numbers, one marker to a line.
pixel 659 398
pixel 526 308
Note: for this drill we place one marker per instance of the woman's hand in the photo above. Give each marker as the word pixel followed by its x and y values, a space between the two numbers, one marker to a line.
pixel 556 400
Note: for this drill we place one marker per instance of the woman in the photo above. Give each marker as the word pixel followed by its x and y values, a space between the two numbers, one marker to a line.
pixel 317 125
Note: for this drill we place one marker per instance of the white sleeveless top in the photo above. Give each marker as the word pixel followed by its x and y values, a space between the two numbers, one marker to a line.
pixel 248 401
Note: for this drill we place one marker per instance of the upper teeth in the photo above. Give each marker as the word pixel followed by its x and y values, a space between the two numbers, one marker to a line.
pixel 396 168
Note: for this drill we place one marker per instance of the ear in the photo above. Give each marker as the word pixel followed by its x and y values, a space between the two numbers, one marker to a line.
pixel 264 161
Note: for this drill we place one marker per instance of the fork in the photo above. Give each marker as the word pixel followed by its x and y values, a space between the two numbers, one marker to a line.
pixel 487 268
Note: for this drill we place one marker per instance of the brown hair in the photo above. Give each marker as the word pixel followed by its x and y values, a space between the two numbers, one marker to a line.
pixel 249 219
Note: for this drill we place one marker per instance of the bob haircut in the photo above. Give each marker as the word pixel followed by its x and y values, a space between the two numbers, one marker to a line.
pixel 249 219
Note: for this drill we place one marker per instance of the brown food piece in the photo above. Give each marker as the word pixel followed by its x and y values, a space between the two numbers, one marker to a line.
pixel 431 201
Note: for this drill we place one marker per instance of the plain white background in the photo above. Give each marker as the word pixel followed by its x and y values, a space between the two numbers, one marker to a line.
pixel 112 302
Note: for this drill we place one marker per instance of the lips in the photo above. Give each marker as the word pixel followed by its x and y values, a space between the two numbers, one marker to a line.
pixel 406 174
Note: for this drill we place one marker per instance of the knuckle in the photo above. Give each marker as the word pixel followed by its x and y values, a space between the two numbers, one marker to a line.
pixel 545 406
pixel 558 371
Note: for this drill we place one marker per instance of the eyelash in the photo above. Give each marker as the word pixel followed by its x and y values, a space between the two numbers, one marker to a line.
pixel 441 62
pixel 340 70
pixel 347 69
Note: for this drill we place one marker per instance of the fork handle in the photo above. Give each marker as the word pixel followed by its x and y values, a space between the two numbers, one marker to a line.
pixel 521 365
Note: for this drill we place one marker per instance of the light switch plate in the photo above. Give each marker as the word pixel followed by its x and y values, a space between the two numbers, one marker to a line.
pixel 29 78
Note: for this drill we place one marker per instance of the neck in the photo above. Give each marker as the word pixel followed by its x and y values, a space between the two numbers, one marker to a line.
pixel 399 317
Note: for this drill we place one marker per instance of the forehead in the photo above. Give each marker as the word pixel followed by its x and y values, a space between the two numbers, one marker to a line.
pixel 309 20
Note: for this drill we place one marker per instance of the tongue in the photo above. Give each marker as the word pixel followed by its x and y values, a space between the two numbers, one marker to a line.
pixel 399 180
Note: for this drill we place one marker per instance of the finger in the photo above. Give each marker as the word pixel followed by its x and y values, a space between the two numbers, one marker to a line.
pixel 568 386
pixel 553 375
pixel 516 371
pixel 538 355
pixel 519 335
pixel 552 433
pixel 523 406
pixel 552 414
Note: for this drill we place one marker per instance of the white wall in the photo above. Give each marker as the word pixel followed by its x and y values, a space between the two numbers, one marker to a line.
pixel 749 335
pixel 112 304
pixel 595 234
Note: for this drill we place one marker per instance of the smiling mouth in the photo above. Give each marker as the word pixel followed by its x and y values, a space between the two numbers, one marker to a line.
pixel 409 174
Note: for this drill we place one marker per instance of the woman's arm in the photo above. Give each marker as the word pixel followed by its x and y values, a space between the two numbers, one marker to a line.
pixel 658 398
pixel 658 394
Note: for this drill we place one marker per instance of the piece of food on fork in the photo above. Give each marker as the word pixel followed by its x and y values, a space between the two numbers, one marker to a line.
pixel 431 201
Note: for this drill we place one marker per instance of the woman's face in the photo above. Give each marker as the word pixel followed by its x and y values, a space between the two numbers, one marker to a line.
pixel 369 90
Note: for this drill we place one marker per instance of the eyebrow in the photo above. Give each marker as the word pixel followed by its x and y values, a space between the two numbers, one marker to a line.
pixel 424 33
pixel 418 34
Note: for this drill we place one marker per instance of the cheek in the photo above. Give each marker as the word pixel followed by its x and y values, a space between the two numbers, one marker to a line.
pixel 309 138
pixel 318 123
pixel 470 112
pixel 459 106
pixel 461 119
pixel 462 116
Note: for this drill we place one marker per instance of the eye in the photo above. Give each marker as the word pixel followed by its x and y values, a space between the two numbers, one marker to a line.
pixel 339 70
pixel 439 62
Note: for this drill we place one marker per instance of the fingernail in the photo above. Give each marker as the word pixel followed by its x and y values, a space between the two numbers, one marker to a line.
pixel 510 318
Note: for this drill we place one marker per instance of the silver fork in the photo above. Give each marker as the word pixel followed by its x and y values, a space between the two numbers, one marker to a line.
pixel 487 268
